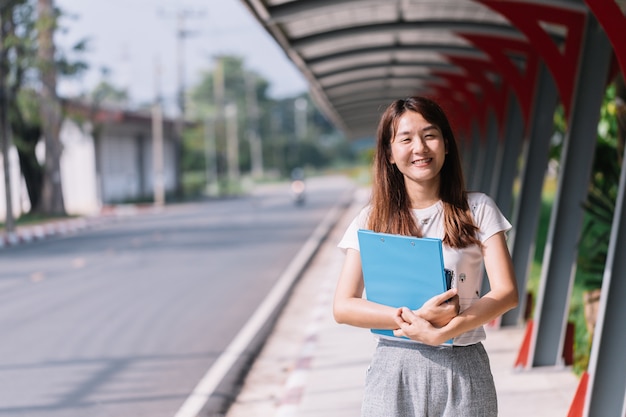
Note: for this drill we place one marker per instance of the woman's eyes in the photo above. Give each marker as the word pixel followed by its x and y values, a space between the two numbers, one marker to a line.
pixel 429 136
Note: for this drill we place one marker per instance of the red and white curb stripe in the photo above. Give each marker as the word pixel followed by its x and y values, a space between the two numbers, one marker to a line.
pixel 295 386
pixel 27 234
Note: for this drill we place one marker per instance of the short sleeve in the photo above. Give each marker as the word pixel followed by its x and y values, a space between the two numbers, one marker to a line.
pixel 487 216
pixel 350 239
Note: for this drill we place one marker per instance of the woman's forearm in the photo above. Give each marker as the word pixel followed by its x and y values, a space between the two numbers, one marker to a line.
pixel 489 307
pixel 360 312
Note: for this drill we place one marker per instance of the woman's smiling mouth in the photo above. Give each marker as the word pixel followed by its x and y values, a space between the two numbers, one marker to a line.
pixel 422 161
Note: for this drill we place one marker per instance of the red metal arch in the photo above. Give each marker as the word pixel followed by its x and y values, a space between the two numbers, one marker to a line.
pixel 458 85
pixel 522 81
pixel 458 111
pixel 562 62
pixel 613 22
pixel 494 95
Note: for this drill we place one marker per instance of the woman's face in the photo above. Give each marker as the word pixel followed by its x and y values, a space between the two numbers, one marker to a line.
pixel 418 149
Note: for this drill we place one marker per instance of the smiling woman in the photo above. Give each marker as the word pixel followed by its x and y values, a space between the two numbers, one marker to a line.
pixel 418 150
pixel 419 191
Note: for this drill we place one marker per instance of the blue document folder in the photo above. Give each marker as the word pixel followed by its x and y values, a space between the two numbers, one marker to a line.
pixel 401 270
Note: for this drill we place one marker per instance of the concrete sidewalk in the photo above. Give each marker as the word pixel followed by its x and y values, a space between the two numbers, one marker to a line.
pixel 313 367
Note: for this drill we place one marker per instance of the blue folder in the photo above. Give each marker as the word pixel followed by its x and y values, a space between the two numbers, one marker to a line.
pixel 401 271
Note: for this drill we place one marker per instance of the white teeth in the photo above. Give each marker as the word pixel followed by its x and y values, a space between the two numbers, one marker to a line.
pixel 420 161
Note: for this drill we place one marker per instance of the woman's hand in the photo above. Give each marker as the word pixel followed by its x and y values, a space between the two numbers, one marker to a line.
pixel 440 309
pixel 416 328
pixel 423 325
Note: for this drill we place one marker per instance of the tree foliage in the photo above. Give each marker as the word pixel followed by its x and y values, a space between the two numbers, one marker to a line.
pixel 23 84
pixel 288 139
pixel 603 188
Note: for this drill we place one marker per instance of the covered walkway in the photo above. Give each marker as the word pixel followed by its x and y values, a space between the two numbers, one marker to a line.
pixel 311 366
pixel 500 68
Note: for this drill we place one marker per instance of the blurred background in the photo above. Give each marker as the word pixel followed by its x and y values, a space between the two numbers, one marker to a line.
pixel 182 143
pixel 191 153
pixel 152 101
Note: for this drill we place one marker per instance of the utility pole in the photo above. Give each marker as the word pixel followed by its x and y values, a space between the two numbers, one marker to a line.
pixel 218 98
pixel 158 177
pixel 232 144
pixel 256 149
pixel 181 34
pixel 210 156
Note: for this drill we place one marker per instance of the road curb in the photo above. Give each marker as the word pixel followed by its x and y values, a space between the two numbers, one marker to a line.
pixel 64 227
pixel 38 232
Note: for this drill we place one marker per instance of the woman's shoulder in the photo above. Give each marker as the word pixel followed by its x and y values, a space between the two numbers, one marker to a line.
pixel 350 237
pixel 363 216
pixel 477 197
pixel 486 214
pixel 481 204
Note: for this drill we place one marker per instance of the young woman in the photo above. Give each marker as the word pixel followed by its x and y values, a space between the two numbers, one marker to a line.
pixel 419 190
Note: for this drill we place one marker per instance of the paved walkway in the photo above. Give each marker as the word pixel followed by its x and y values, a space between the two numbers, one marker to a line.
pixel 314 367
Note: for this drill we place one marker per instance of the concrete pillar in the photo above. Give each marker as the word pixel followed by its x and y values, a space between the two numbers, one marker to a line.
pixel 559 261
pixel 525 217
pixel 478 158
pixel 607 367
pixel 511 151
pixel 491 149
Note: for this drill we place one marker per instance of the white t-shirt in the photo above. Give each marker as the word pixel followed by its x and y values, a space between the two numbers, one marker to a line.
pixel 466 263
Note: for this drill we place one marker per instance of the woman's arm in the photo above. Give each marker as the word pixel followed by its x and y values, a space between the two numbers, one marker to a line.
pixel 502 297
pixel 351 308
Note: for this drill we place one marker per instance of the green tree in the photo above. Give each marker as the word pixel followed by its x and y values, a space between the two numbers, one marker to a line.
pixel 105 93
pixel 23 66
pixel 292 130
pixel 603 188
pixel 229 82
pixel 49 110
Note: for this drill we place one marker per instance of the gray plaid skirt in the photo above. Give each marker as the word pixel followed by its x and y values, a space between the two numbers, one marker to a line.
pixel 416 380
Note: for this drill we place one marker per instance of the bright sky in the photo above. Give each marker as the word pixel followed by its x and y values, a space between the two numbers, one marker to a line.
pixel 131 36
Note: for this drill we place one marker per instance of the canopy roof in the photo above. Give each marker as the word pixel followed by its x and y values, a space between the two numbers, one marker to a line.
pixel 359 55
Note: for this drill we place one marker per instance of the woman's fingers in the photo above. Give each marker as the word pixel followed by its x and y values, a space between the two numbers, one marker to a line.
pixel 443 297
pixel 407 315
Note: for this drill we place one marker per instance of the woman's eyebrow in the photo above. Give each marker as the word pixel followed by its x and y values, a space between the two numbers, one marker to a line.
pixel 430 127
pixel 404 132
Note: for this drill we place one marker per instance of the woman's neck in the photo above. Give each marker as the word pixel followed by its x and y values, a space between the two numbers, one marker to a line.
pixel 423 197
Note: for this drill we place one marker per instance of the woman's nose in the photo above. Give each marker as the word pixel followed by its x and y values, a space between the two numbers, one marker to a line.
pixel 419 146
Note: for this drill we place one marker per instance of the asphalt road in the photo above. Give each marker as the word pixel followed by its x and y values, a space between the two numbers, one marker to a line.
pixel 124 320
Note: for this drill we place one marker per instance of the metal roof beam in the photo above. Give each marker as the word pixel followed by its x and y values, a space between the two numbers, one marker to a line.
pixel 306 8
pixel 415 78
pixel 483 28
pixel 465 51
pixel 439 66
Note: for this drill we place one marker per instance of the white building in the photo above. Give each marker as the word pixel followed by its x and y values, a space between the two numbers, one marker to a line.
pixel 108 158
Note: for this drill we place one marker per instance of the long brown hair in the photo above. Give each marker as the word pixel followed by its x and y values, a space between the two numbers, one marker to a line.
pixel 390 204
